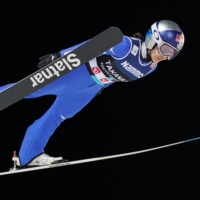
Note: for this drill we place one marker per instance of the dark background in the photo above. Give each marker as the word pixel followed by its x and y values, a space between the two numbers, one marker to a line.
pixel 160 109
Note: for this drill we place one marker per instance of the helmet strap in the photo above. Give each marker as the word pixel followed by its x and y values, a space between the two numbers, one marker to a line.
pixel 144 53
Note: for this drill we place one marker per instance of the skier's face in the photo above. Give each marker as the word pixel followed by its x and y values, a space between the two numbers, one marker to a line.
pixel 155 55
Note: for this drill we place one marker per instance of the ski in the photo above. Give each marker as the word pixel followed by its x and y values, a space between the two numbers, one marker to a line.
pixel 63 163
pixel 61 66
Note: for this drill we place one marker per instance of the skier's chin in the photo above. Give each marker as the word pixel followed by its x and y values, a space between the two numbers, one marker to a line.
pixel 155 60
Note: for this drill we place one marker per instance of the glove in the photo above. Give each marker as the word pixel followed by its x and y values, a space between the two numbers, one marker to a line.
pixel 47 59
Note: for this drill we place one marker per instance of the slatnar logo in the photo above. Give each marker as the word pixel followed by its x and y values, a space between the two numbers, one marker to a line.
pixel 67 62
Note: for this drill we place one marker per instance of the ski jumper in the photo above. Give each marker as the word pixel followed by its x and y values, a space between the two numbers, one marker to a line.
pixel 121 63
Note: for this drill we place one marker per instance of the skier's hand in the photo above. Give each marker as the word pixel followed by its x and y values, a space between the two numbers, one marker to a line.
pixel 47 59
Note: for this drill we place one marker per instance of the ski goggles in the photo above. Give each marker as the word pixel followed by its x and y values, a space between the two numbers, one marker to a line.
pixel 168 51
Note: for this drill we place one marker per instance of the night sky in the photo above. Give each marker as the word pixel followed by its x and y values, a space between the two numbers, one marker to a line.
pixel 160 109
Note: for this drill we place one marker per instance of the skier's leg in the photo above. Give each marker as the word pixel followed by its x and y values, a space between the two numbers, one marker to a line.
pixel 40 131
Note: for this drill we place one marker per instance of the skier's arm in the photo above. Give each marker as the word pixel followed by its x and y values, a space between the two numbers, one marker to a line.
pixel 119 51
pixel 122 49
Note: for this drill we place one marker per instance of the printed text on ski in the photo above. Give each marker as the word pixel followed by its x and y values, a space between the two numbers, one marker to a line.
pixel 66 63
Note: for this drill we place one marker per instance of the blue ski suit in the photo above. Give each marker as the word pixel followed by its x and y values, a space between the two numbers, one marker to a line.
pixel 121 63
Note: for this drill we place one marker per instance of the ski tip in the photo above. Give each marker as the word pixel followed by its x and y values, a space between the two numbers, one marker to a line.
pixel 116 29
